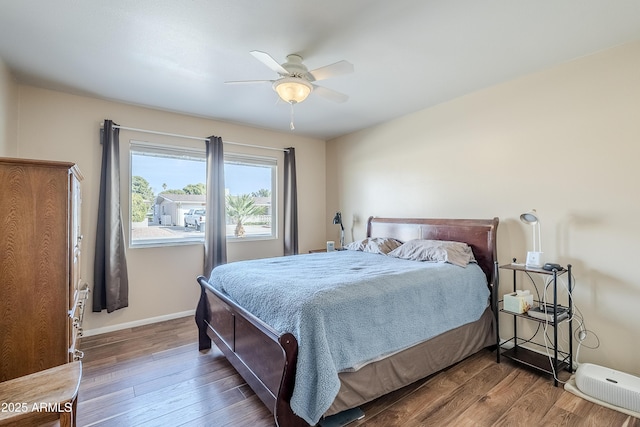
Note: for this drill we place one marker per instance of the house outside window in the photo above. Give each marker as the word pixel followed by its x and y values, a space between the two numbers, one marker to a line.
pixel 168 195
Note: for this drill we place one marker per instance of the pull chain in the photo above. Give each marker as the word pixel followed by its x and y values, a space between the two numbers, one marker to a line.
pixel 291 124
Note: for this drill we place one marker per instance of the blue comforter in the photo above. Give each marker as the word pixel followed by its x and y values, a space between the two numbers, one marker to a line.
pixel 348 308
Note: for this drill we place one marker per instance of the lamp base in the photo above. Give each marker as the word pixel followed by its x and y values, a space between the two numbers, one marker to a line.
pixel 534 260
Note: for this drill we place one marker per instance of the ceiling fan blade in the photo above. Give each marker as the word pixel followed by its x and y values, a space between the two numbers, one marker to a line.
pixel 336 69
pixel 237 82
pixel 330 94
pixel 268 60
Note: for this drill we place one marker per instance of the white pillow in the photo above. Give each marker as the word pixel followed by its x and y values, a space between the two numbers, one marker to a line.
pixel 456 253
pixel 374 245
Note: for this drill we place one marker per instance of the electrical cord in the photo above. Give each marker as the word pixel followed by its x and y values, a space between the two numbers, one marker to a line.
pixel 581 333
pixel 547 339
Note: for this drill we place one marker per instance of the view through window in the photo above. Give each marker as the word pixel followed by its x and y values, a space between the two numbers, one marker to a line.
pixel 168 195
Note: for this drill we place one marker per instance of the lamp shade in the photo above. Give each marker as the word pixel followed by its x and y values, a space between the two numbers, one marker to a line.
pixel 337 219
pixel 530 217
pixel 292 89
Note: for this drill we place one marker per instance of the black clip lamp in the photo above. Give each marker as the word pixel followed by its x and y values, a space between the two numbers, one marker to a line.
pixel 338 220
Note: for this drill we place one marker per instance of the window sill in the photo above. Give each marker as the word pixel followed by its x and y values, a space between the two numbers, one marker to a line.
pixel 164 243
pixel 200 241
pixel 232 239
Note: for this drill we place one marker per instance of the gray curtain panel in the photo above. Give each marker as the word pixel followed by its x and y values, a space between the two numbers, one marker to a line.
pixel 290 203
pixel 111 283
pixel 215 231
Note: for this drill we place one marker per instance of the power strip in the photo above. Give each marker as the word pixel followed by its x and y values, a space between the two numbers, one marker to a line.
pixel 548 313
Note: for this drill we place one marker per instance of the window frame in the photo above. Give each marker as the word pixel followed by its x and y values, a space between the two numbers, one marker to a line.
pixel 165 150
pixel 160 150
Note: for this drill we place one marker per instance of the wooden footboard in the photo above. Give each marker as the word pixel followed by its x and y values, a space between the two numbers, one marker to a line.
pixel 266 360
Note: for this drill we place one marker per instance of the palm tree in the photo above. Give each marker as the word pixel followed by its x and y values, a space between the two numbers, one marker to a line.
pixel 263 192
pixel 239 208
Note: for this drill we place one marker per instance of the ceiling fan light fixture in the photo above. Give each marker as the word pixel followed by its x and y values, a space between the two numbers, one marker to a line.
pixel 292 89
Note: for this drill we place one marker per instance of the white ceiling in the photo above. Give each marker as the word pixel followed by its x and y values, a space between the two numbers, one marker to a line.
pixel 408 54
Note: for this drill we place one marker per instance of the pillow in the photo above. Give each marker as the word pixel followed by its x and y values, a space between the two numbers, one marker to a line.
pixel 456 253
pixel 374 245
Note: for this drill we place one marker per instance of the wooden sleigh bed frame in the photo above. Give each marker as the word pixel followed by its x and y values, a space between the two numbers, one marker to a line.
pixel 267 360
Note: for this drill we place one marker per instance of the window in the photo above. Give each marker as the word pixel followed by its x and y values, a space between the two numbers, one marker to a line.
pixel 168 195
pixel 250 184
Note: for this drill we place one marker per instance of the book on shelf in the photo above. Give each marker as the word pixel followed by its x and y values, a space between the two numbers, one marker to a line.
pixel 547 312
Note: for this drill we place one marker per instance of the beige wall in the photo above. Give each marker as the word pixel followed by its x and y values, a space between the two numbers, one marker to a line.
pixel 8 112
pixel 60 126
pixel 563 141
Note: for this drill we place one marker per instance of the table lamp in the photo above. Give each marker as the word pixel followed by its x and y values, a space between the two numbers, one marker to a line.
pixel 338 220
pixel 534 258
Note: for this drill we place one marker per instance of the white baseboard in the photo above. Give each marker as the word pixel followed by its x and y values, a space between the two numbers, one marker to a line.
pixel 141 322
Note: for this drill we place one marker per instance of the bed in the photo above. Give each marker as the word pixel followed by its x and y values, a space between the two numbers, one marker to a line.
pixel 266 353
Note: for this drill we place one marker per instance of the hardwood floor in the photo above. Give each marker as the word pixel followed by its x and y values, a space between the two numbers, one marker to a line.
pixel 155 376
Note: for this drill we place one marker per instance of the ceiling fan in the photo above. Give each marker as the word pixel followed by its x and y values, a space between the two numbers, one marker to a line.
pixel 296 82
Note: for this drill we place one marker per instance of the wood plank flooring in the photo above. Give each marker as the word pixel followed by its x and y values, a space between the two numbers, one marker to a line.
pixel 155 376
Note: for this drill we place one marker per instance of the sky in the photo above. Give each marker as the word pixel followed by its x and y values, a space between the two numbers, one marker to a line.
pixel 178 173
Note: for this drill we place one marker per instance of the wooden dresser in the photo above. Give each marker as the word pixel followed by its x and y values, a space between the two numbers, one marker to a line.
pixel 41 292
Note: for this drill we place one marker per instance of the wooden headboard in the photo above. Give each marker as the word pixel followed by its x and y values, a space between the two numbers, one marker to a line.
pixel 480 234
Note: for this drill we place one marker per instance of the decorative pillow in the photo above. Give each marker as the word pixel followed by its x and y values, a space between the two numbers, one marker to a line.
pixel 456 253
pixel 375 245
